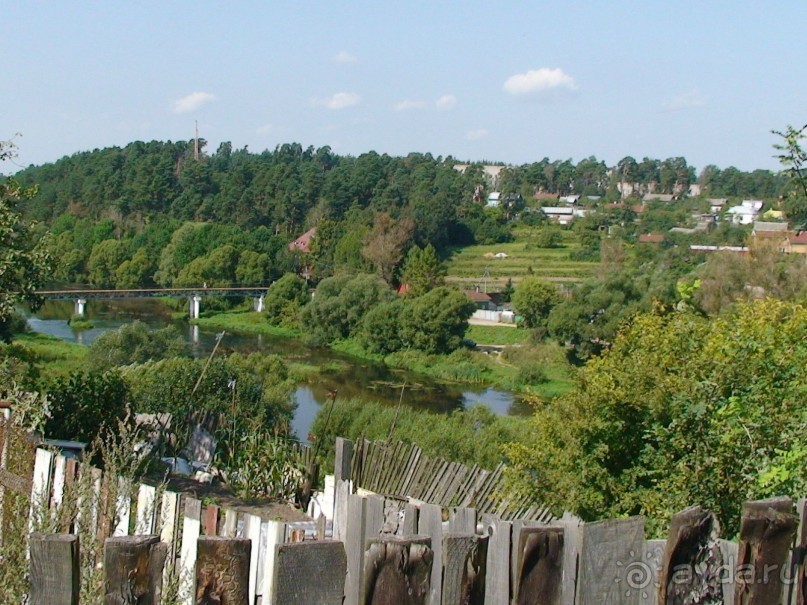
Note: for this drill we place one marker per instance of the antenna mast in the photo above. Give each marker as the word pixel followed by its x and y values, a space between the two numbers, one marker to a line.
pixel 196 142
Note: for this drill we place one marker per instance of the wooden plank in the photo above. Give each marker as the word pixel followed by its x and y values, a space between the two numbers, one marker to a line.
pixel 728 550
pixel 59 473
pixel 146 520
pixel 296 566
pixel 608 549
pixel 497 581
pixel 133 569
pixel 412 467
pixel 462 521
pixel 169 523
pixel 222 571
pixel 539 572
pixel 123 508
pixel 464 569
pixel 690 570
pixel 409 527
pixel 354 548
pixel 55 569
pixel 230 523
pixel 191 530
pixel 430 523
pixel 572 537
pixel 275 535
pixel 767 529
pixel 210 521
pixel 40 488
pixel 252 531
pixel 397 572
pixel 648 582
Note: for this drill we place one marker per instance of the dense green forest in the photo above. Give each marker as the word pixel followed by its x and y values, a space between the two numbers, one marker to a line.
pixel 150 213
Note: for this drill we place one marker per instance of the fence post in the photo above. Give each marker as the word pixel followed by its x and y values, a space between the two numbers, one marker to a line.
pixel 54 569
pixel 798 571
pixel 430 523
pixel 133 566
pixel 397 571
pixel 342 487
pixel 464 569
pixel 766 532
pixel 222 570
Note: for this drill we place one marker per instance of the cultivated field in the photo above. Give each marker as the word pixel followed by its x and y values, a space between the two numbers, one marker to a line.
pixel 467 265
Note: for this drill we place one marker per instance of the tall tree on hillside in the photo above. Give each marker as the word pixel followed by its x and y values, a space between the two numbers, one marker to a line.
pixel 794 158
pixel 386 242
pixel 24 262
pixel 422 270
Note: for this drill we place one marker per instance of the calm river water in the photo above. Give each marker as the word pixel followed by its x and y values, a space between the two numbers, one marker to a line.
pixel 353 378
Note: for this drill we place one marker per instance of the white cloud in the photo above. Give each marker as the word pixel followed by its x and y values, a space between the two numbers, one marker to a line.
pixel 193 101
pixel 446 102
pixel 475 135
pixel 345 57
pixel 340 100
pixel 409 104
pixel 688 100
pixel 539 81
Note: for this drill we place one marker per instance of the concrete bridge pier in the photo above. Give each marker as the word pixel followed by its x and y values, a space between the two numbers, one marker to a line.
pixel 195 334
pixel 194 305
pixel 258 304
pixel 80 307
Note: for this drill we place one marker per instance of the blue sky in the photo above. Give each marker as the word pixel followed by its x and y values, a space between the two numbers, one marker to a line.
pixel 499 81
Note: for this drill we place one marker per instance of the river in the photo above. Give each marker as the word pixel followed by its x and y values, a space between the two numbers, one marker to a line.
pixel 350 376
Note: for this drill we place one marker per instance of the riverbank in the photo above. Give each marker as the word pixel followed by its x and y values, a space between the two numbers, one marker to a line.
pixel 540 369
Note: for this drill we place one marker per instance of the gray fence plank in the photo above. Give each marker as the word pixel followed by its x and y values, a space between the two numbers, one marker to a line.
pixel 309 572
pixel 464 569
pixel 608 549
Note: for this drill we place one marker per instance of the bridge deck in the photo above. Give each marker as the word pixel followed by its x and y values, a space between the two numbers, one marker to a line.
pixel 152 292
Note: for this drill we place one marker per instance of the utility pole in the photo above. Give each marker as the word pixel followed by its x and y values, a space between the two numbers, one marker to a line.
pixel 196 142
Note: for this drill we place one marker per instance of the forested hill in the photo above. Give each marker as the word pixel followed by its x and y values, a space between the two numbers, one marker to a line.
pixel 153 213
pixel 282 188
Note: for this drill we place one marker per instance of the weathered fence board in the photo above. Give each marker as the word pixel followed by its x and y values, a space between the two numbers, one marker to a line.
pixel 690 571
pixel 539 567
pixel 40 486
pixel 464 569
pixel 766 532
pixel 608 549
pixel 275 535
pixel 191 529
pixel 497 582
pixel 222 571
pixel 146 518
pixel 133 566
pixel 430 523
pixel 397 572
pixel 308 572
pixel 54 569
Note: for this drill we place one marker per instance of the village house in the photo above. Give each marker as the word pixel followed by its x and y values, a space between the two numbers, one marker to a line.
pixel 560 214
pixel 658 197
pixel 303 243
pixel 716 204
pixel 746 213
pixel 651 238
pixel 797 244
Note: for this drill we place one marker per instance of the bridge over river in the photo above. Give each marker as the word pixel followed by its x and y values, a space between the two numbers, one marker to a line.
pixel 194 295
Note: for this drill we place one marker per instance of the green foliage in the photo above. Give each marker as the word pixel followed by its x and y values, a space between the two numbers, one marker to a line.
pixel 549 237
pixel 260 464
pixel 83 404
pixel 339 305
pixel 105 259
pixel 473 436
pixel 682 409
pixel 436 322
pixel 284 300
pixel 794 158
pixel 534 299
pixel 24 261
pixel 134 342
pixel 260 398
pixel 422 270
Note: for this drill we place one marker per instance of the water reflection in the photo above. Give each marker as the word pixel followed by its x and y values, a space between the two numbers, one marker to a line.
pixel 352 378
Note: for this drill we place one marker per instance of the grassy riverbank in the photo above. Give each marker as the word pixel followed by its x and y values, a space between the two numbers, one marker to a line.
pixel 541 368
pixel 50 355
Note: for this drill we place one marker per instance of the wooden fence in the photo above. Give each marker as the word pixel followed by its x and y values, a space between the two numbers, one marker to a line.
pixel 385 549
pixel 402 470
